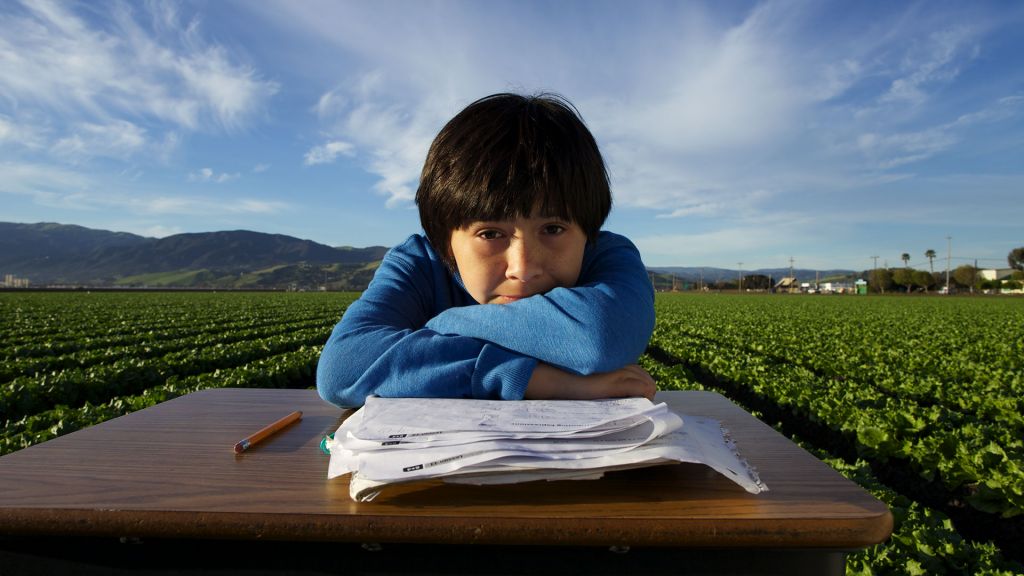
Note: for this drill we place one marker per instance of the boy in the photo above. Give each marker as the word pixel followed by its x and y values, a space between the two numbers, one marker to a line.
pixel 514 292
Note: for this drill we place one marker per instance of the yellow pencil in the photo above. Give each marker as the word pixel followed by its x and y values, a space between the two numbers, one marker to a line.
pixel 267 431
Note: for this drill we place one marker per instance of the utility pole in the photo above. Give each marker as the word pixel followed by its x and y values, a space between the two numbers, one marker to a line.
pixel 949 257
pixel 740 283
pixel 874 272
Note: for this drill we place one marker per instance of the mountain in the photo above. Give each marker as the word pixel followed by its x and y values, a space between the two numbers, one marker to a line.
pixel 61 254
pixel 48 253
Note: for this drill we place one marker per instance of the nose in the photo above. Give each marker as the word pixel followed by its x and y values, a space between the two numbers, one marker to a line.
pixel 524 260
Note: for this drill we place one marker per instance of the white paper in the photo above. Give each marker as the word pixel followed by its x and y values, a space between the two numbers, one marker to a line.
pixel 499 442
pixel 430 419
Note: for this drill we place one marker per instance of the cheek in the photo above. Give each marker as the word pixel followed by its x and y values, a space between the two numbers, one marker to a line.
pixel 480 277
pixel 569 265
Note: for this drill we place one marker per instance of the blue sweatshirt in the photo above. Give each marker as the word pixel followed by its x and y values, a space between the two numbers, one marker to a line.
pixel 416 331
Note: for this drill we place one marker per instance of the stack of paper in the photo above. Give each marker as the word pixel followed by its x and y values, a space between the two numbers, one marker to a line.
pixel 393 440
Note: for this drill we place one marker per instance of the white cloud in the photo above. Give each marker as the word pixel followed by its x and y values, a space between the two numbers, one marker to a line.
pixel 192 206
pixel 109 68
pixel 21 134
pixel 712 89
pixel 151 231
pixel 702 113
pixel 934 60
pixel 117 139
pixel 64 189
pixel 260 168
pixel 40 181
pixel 249 206
pixel 209 175
pixel 894 149
pixel 328 153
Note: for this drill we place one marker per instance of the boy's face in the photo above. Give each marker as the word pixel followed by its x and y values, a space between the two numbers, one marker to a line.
pixel 507 260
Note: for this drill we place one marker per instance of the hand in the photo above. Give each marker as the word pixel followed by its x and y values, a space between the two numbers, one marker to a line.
pixel 550 383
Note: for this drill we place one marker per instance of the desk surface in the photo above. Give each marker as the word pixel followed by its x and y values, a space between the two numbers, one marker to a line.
pixel 169 471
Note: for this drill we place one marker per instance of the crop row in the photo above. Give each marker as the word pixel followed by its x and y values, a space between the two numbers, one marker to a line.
pixel 924 540
pixel 81 337
pixel 278 371
pixel 76 386
pixel 978 449
pixel 46 324
pixel 146 346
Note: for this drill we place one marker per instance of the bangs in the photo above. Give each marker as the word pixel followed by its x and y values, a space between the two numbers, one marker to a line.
pixel 529 160
pixel 509 156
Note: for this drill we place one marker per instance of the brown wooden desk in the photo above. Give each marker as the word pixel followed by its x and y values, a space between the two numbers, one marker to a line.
pixel 168 473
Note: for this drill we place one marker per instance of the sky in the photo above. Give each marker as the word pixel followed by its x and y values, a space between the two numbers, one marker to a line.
pixel 829 134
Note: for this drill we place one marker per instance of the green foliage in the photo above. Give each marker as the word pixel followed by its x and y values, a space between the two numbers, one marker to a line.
pixel 936 383
pixel 924 541
pixel 1016 258
pixel 966 276
pixel 71 360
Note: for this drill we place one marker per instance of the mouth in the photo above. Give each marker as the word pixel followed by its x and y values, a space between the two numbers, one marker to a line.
pixel 502 299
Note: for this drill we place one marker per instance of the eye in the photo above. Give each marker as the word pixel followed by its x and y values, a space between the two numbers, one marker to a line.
pixel 489 234
pixel 554 229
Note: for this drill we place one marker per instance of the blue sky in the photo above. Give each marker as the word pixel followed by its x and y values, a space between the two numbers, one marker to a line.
pixel 735 132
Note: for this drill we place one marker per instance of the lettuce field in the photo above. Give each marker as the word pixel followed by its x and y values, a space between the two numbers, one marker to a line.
pixel 918 399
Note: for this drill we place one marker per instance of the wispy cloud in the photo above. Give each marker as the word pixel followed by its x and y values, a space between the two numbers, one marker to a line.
pixel 74 190
pixel 115 71
pixel 117 139
pixel 894 149
pixel 209 175
pixel 15 133
pixel 327 153
pixel 390 134
pixel 735 116
pixel 724 125
pixel 188 205
pixel 934 59
pixel 151 231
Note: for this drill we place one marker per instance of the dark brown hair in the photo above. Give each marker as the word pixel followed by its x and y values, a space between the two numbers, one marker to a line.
pixel 504 156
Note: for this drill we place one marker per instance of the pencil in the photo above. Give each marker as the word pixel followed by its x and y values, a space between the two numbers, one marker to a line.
pixel 266 431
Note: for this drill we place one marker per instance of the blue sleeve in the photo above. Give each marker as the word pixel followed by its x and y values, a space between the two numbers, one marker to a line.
pixel 601 324
pixel 381 346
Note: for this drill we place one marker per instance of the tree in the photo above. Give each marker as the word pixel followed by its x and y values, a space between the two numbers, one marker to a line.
pixel 930 255
pixel 924 279
pixel 1016 258
pixel 965 276
pixel 756 282
pixel 903 277
pixel 879 280
pixel 906 259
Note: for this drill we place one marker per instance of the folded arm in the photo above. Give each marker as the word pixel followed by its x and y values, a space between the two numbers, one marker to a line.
pixel 392 342
pixel 381 347
pixel 601 324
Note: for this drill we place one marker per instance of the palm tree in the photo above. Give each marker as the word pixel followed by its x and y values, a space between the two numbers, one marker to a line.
pixel 930 255
pixel 906 259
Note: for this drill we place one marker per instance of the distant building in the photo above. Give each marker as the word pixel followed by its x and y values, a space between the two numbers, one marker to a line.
pixel 837 288
pixel 1002 275
pixel 787 284
pixel 12 281
pixel 996 273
